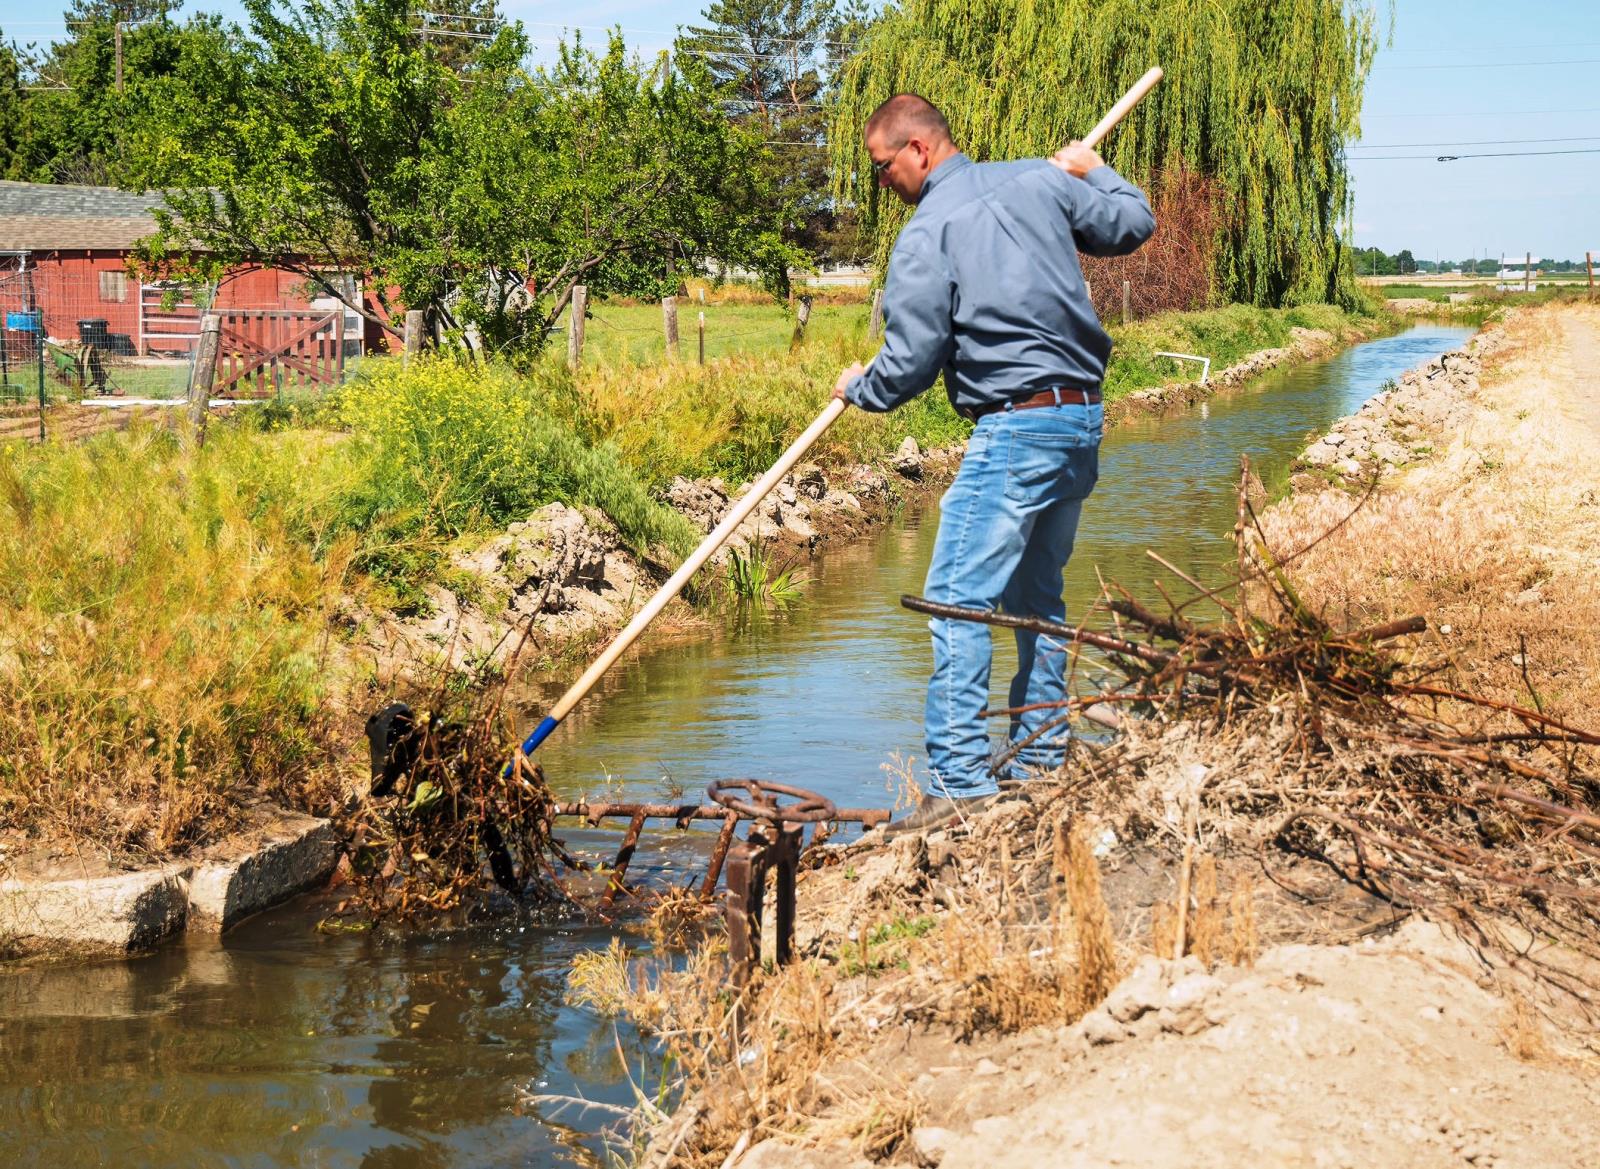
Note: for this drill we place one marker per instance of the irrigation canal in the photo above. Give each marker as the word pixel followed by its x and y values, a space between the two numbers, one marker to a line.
pixel 280 1046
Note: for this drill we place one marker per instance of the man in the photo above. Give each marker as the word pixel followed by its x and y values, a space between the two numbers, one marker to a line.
pixel 984 285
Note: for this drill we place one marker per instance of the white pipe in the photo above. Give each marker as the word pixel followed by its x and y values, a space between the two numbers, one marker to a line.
pixel 1205 370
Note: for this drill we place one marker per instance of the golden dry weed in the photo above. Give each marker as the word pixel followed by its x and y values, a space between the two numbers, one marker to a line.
pixel 1494 539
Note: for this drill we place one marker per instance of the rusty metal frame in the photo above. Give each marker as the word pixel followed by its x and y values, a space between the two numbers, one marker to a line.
pixel 638 815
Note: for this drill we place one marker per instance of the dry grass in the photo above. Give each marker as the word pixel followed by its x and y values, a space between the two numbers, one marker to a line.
pixel 162 639
pixel 795 1056
pixel 1495 540
pixel 1522 1031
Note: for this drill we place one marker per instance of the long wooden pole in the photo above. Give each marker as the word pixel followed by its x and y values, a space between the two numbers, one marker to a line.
pixel 717 537
pixel 1119 111
pixel 752 499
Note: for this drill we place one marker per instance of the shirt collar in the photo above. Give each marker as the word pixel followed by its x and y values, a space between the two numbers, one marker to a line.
pixel 944 170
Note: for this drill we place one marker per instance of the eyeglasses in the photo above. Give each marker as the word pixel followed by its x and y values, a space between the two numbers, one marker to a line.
pixel 879 167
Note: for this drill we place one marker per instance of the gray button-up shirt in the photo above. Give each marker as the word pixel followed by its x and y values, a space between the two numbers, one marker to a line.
pixel 984 283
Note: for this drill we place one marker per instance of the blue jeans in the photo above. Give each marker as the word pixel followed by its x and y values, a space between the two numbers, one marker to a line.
pixel 1005 532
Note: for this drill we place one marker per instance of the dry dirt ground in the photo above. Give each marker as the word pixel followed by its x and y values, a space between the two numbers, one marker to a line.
pixel 941 1018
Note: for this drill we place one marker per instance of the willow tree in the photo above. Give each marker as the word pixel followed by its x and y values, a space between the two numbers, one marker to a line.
pixel 1259 99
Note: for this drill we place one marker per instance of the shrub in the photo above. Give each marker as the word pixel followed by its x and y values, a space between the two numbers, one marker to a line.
pixel 442 447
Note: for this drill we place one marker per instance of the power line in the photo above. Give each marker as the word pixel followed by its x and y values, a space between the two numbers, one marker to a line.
pixel 1486 113
pixel 1453 157
pixel 709 35
pixel 1480 142
pixel 1493 65
pixel 1499 48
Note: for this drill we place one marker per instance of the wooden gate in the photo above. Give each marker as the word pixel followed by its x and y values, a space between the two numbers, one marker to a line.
pixel 265 350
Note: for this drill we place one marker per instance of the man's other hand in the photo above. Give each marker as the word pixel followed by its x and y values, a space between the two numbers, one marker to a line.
pixel 1076 159
pixel 846 377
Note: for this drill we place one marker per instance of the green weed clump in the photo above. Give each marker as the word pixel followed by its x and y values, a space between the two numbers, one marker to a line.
pixel 752 576
pixel 446 448
pixel 161 638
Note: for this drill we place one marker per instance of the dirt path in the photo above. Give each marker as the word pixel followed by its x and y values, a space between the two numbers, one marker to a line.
pixel 1581 401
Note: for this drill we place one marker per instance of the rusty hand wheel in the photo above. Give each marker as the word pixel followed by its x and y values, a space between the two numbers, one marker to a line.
pixel 810 809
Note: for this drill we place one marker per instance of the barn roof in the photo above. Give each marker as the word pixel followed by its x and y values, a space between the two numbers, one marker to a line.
pixel 42 217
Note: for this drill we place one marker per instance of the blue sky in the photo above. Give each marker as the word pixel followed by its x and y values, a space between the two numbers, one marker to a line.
pixel 1483 73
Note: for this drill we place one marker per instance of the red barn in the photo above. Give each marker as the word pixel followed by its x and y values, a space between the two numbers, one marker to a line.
pixel 64 252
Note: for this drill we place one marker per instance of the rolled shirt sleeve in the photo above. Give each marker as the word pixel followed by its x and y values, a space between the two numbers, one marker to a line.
pixel 918 330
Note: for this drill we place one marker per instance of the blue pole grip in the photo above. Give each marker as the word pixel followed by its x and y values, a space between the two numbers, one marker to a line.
pixel 531 744
pixel 540 734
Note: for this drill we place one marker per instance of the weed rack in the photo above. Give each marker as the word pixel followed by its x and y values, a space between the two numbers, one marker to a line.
pixel 772 847
pixel 442 804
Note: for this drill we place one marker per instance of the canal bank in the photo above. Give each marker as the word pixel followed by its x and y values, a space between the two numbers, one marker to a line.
pixel 563 576
pixel 433 1041
pixel 1009 992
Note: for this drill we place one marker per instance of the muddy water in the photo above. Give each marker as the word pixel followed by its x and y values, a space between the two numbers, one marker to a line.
pixel 282 1046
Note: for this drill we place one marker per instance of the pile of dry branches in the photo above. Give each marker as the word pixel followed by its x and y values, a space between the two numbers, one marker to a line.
pixel 1358 749
pixel 454 809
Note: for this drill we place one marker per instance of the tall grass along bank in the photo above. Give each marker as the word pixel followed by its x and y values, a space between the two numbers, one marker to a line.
pixel 161 641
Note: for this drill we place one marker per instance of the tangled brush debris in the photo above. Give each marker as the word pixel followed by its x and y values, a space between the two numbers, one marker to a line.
pixel 1347 748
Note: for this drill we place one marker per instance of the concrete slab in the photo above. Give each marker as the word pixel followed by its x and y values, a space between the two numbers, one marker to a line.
pixel 118 914
pixel 286 856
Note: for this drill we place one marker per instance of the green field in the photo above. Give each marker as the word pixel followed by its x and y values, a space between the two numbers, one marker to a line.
pixel 636 333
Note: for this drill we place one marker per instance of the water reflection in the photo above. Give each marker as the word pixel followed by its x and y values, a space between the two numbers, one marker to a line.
pixel 285 1047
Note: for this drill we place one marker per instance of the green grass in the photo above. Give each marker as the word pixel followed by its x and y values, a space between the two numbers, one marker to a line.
pixel 751 576
pixel 1225 335
pixel 635 333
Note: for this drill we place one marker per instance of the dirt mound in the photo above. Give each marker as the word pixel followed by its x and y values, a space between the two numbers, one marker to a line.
pixel 1385 1053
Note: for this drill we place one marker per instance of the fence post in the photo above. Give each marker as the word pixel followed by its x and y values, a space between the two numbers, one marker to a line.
pixel 1127 301
pixel 39 339
pixel 413 334
pixel 802 315
pixel 669 321
pixel 203 374
pixel 1527 273
pixel 702 327
pixel 576 311
pixel 875 326
pixel 1588 263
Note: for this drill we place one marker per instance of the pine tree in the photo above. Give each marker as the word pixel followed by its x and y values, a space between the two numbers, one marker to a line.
pixel 769 59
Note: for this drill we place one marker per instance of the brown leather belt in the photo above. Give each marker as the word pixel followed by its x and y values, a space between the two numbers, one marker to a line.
pixel 1061 397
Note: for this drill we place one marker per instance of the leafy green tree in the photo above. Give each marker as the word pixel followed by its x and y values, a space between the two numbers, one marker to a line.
pixel 11 104
pixel 1405 263
pixel 70 124
pixel 347 145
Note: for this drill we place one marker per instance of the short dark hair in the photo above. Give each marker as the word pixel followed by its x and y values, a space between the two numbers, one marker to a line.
pixel 906 116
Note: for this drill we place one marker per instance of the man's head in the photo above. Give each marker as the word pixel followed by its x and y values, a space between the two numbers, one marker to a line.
pixel 907 137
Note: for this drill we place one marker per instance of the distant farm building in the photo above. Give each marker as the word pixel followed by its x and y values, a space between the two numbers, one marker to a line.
pixel 1517 274
pixel 64 266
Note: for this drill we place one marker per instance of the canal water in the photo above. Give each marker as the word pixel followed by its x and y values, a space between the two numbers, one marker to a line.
pixel 282 1046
